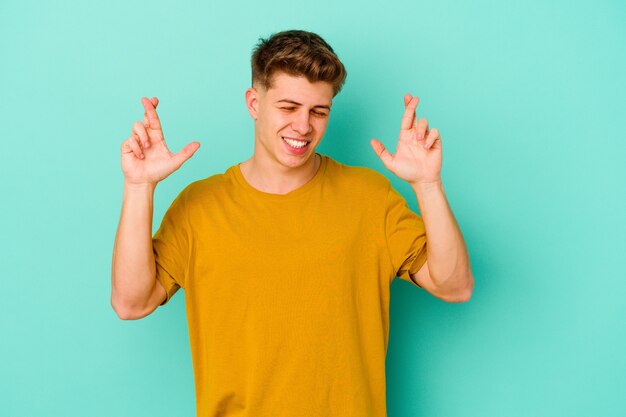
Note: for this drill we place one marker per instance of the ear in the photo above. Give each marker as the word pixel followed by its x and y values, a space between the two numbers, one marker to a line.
pixel 252 102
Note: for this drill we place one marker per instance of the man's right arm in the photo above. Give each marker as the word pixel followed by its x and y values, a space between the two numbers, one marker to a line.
pixel 135 291
pixel 146 160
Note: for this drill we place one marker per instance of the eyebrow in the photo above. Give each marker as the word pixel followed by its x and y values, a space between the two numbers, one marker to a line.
pixel 300 104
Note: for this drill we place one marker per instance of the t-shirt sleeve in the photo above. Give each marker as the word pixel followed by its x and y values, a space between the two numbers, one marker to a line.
pixel 406 237
pixel 170 245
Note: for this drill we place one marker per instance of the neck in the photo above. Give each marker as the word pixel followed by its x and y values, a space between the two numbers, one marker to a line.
pixel 271 177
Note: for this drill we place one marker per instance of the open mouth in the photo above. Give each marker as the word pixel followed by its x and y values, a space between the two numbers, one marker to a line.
pixel 297 146
pixel 294 143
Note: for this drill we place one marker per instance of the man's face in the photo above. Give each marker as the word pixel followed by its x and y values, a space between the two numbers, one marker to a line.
pixel 291 118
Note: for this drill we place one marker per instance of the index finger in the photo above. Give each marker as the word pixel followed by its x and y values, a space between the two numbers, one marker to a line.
pixel 155 102
pixel 409 113
pixel 153 117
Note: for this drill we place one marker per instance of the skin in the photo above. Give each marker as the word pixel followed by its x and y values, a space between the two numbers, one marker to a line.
pixel 418 159
pixel 295 108
pixel 146 158
pixel 418 154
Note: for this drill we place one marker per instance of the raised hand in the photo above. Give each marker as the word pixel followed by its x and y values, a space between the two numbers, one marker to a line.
pixel 145 156
pixel 418 156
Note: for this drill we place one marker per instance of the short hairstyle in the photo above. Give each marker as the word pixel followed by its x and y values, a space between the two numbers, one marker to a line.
pixel 297 53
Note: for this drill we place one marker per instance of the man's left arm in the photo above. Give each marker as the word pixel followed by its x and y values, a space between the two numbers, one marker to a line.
pixel 446 273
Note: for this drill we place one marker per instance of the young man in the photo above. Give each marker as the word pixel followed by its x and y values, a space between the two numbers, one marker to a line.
pixel 286 259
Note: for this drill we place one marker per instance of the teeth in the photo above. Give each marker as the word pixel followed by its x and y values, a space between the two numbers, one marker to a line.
pixel 295 143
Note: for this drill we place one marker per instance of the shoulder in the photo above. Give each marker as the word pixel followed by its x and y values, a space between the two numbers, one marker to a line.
pixel 199 191
pixel 357 177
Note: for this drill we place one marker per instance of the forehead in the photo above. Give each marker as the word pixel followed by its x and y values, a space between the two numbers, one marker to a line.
pixel 299 89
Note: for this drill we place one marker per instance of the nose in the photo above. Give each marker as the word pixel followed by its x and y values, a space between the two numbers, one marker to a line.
pixel 301 123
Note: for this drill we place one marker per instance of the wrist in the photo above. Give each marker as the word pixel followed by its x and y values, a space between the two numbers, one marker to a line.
pixel 139 187
pixel 426 187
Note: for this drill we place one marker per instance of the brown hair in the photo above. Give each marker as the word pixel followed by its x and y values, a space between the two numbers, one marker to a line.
pixel 297 53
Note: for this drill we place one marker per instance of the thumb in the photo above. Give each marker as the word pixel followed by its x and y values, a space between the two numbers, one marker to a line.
pixel 382 153
pixel 186 153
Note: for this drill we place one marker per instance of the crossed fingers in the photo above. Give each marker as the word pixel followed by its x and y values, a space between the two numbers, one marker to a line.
pixel 150 117
pixel 421 127
pixel 147 133
pixel 408 119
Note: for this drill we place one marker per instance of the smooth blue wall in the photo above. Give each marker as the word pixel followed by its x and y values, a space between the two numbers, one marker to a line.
pixel 529 98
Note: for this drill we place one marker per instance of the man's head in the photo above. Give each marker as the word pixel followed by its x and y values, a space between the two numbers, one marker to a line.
pixel 297 53
pixel 295 76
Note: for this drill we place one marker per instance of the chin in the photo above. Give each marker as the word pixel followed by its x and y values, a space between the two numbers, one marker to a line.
pixel 295 161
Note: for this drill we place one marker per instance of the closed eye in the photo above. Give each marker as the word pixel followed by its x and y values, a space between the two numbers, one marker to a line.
pixel 317 113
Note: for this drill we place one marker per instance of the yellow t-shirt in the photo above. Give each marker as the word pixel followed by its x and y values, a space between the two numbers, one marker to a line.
pixel 287 296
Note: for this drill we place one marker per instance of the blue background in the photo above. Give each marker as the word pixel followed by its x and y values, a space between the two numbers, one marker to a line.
pixel 528 97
